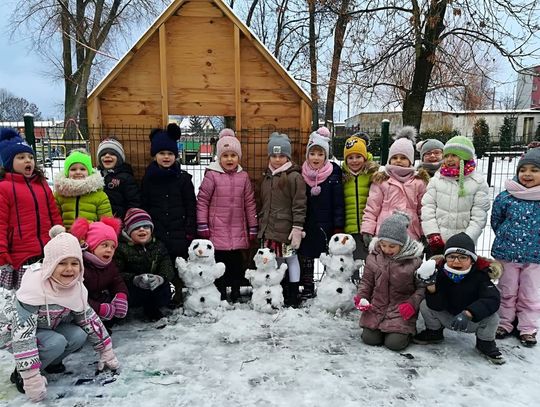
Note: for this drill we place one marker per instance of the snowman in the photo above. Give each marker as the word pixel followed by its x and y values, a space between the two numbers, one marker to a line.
pixel 199 273
pixel 265 279
pixel 336 291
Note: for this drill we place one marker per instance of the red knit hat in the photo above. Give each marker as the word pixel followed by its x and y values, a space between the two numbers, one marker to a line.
pixel 95 233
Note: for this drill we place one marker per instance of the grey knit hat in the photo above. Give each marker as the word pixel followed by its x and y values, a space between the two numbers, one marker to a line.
pixel 427 145
pixel 530 157
pixel 394 228
pixel 112 146
pixel 279 144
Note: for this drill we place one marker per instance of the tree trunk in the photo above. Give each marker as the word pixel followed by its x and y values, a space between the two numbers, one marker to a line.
pixel 313 66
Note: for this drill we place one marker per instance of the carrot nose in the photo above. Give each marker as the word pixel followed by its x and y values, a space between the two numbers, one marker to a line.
pixel 344 240
pixel 265 260
pixel 200 252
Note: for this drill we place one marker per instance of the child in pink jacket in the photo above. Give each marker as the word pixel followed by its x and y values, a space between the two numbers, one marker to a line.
pixel 397 186
pixel 226 211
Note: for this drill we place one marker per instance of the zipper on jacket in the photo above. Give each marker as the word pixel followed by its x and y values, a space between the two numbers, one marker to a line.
pixel 357 208
pixel 77 207
pixel 38 221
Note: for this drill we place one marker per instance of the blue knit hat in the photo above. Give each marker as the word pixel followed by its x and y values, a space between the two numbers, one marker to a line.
pixel 11 144
pixel 165 139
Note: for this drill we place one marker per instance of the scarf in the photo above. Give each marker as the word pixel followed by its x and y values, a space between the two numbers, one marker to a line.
pixel 520 192
pixel 94 260
pixel 155 171
pixel 455 275
pixel 431 168
pixel 283 168
pixel 465 168
pixel 315 177
pixel 402 174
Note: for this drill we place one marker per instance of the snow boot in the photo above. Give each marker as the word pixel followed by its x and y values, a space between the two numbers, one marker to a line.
pixel 528 340
pixel 17 380
pixel 501 333
pixel 293 298
pixel 57 368
pixel 429 336
pixel 490 351
pixel 308 291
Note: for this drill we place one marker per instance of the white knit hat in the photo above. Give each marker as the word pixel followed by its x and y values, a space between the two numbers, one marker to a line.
pixel 62 246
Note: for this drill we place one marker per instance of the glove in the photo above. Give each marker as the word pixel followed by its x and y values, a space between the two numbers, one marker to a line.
pixel 35 385
pixel 120 304
pixel 6 276
pixel 107 359
pixel 295 237
pixel 253 234
pixel 406 310
pixel 436 244
pixel 203 231
pixel 148 281
pixel 106 311
pixel 460 322
pixel 426 272
pixel 367 238
pixel 362 304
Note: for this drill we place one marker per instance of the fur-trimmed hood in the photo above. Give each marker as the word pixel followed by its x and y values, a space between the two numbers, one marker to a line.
pixel 410 250
pixel 381 176
pixel 76 187
pixel 493 267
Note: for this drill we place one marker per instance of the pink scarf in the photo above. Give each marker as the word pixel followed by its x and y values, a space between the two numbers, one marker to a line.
pixel 520 192
pixel 315 177
pixel 283 168
pixel 402 174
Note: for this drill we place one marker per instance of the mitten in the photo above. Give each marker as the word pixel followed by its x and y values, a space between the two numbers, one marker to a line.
pixel 6 276
pixel 295 237
pixel 141 281
pixel 426 273
pixel 362 304
pixel 253 233
pixel 460 322
pixel 367 238
pixel 203 231
pixel 406 310
pixel 107 359
pixel 154 281
pixel 106 311
pixel 120 304
pixel 35 385
pixel 436 243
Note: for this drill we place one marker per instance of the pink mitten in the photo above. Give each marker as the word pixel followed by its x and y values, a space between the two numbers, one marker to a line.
pixel 107 359
pixel 202 231
pixel 35 385
pixel 295 237
pixel 120 305
pixel 106 311
pixel 406 310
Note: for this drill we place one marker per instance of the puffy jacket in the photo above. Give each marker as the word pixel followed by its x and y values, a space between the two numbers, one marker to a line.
pixel 168 196
pixel 27 213
pixel 283 203
pixel 516 223
pixel 325 213
pixel 387 195
pixel 81 197
pixel 226 203
pixel 121 188
pixel 386 283
pixel 447 213
pixel 355 191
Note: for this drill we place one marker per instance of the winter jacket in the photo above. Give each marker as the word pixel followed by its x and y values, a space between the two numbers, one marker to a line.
pixel 27 213
pixel 121 189
pixel 476 293
pixel 283 204
pixel 81 197
pixel 325 215
pixel 355 191
pixel 387 195
pixel 168 196
pixel 516 223
pixel 388 282
pixel 226 204
pixel 135 259
pixel 102 283
pixel 446 213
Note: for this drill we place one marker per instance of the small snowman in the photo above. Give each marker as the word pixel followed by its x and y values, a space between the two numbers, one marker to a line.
pixel 336 291
pixel 199 274
pixel 267 291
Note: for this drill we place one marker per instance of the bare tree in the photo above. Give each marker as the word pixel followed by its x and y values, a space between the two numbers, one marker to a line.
pixel 13 108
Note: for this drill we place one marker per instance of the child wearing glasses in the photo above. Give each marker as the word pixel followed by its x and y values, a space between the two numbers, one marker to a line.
pixel 462 298
pixel 514 219
pixel 431 155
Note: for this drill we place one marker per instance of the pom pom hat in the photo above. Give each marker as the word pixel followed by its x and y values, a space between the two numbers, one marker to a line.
pixel 394 228
pixel 355 145
pixel 61 246
pixel 279 144
pixel 228 142
pixel 94 233
pixel 11 144
pixel 111 146
pixel 320 138
pixel 135 218
pixel 78 156
pixel 403 144
pixel 165 140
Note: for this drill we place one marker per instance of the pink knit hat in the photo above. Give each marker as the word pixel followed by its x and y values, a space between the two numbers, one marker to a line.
pixel 60 247
pixel 403 144
pixel 228 142
pixel 95 233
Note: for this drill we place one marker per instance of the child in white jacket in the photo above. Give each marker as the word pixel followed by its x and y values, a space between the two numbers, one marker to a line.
pixel 457 197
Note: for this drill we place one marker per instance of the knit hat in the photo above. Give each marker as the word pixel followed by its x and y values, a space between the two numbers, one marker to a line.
pixel 95 233
pixel 425 146
pixel 135 218
pixel 111 146
pixel 355 145
pixel 460 146
pixel 394 228
pixel 321 138
pixel 228 142
pixel 165 140
pixel 78 156
pixel 462 244
pixel 60 247
pixel 530 157
pixel 11 144
pixel 279 144
pixel 403 144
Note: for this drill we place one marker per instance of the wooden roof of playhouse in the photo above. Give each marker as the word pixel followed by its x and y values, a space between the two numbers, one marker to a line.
pixel 198 58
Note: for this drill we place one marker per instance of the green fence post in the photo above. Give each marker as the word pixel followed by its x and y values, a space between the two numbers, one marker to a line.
pixel 29 130
pixel 385 135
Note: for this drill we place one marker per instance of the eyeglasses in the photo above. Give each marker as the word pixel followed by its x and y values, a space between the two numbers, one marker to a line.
pixel 145 227
pixel 433 152
pixel 459 257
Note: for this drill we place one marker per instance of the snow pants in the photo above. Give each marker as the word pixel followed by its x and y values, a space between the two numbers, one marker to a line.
pixel 55 344
pixel 393 341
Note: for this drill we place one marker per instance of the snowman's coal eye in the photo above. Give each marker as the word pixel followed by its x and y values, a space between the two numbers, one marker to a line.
pixel 268 293
pixel 336 239
pixel 209 247
pixel 341 259
pixel 197 245
pixel 260 252
pixel 271 250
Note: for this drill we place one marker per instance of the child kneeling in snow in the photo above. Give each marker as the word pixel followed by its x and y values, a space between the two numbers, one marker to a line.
pixel 463 298
pixel 388 294
pixel 51 309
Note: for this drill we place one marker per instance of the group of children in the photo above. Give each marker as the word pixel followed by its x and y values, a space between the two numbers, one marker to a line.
pixel 127 240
